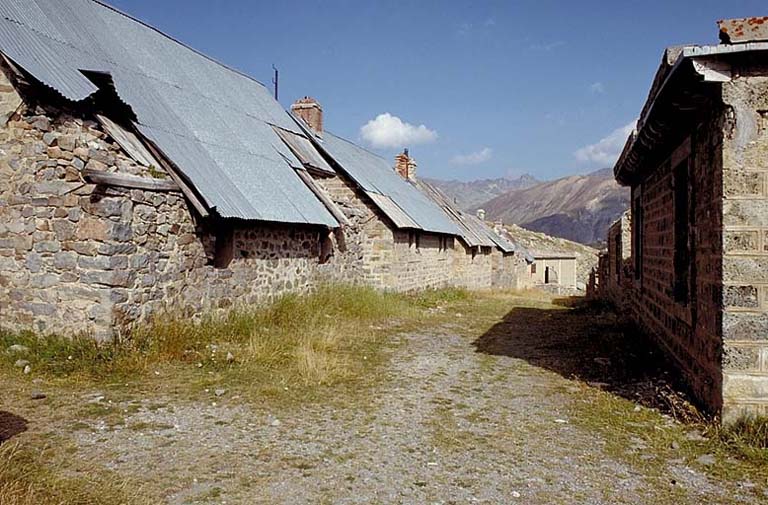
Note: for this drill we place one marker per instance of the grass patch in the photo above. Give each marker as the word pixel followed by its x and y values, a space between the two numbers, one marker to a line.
pixel 330 336
pixel 24 480
pixel 631 435
pixel 747 437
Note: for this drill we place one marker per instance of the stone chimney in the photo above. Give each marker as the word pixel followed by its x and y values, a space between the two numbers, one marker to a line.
pixel 481 214
pixel 309 110
pixel 405 165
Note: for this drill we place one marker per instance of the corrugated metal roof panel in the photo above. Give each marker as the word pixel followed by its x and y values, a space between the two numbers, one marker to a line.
pixel 392 211
pixel 304 151
pixel 374 174
pixel 474 231
pixel 211 121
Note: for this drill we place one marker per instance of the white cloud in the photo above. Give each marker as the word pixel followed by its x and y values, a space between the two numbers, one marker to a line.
pixel 597 88
pixel 475 158
pixel 606 151
pixel 388 131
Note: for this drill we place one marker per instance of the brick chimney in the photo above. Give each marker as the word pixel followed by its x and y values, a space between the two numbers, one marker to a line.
pixel 405 165
pixel 309 110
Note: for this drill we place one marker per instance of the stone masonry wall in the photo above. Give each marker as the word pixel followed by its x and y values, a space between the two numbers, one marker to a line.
pixel 617 278
pixel 77 257
pixel 745 247
pixel 383 257
pixel 472 270
pixel 507 270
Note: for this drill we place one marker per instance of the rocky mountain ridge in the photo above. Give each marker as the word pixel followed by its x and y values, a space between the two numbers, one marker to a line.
pixel 578 207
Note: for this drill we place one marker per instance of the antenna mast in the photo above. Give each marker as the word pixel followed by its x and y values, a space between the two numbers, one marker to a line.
pixel 276 80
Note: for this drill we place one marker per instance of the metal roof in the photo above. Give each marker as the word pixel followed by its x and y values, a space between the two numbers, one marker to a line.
pixel 305 152
pixel 375 175
pixel 474 231
pixel 211 121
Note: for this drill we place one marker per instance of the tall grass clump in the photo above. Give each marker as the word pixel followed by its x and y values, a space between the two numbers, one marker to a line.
pixel 747 436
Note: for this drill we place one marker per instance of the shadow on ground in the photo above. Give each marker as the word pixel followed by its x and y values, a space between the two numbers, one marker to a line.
pixel 11 425
pixel 588 341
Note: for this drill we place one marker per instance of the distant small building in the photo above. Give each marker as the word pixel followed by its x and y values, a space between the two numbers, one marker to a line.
pixel 555 268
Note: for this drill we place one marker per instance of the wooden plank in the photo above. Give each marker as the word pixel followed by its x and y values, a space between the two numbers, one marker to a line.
pixel 129 142
pixel 320 194
pixel 129 181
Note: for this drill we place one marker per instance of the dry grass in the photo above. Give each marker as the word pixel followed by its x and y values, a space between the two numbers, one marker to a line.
pixel 297 349
pixel 25 480
pixel 324 338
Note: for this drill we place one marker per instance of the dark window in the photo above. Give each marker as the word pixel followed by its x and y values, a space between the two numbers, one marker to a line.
pixel 682 257
pixel 637 231
pixel 533 268
pixel 225 246
pixel 418 240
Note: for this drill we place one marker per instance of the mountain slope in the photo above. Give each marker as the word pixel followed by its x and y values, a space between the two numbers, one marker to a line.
pixel 468 195
pixel 578 208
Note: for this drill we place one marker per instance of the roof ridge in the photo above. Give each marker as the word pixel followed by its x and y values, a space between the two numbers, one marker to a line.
pixel 172 39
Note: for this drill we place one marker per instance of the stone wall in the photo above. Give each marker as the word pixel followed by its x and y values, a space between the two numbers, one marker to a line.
pixel 745 247
pixel 77 257
pixel 508 270
pixel 472 269
pixel 615 270
pixel 385 257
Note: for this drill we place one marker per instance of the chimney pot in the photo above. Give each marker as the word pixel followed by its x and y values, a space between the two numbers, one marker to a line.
pixel 310 111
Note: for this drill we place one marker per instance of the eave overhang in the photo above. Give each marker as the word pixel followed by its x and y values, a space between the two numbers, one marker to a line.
pixel 686 85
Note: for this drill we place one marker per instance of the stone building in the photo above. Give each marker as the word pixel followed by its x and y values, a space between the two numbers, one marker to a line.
pixel 615 264
pixel 482 257
pixel 697 163
pixel 553 268
pixel 138 177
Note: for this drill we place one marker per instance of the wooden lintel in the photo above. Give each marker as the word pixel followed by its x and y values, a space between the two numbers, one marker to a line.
pixel 129 181
pixel 320 194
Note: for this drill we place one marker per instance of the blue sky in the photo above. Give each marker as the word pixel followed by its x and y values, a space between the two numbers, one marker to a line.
pixel 476 89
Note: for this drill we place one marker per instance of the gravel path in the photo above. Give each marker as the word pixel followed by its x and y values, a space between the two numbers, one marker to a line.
pixel 447 425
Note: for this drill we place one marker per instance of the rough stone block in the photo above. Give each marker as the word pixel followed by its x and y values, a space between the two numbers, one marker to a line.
pixel 743 358
pixel 745 326
pixel 121 232
pixel 737 386
pixel 65 260
pixel 745 213
pixel 115 278
pixel 740 296
pixel 746 269
pixel 95 229
pixel 51 246
pixel 742 241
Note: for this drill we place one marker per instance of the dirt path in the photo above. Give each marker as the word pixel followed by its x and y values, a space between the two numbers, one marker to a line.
pixel 455 419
